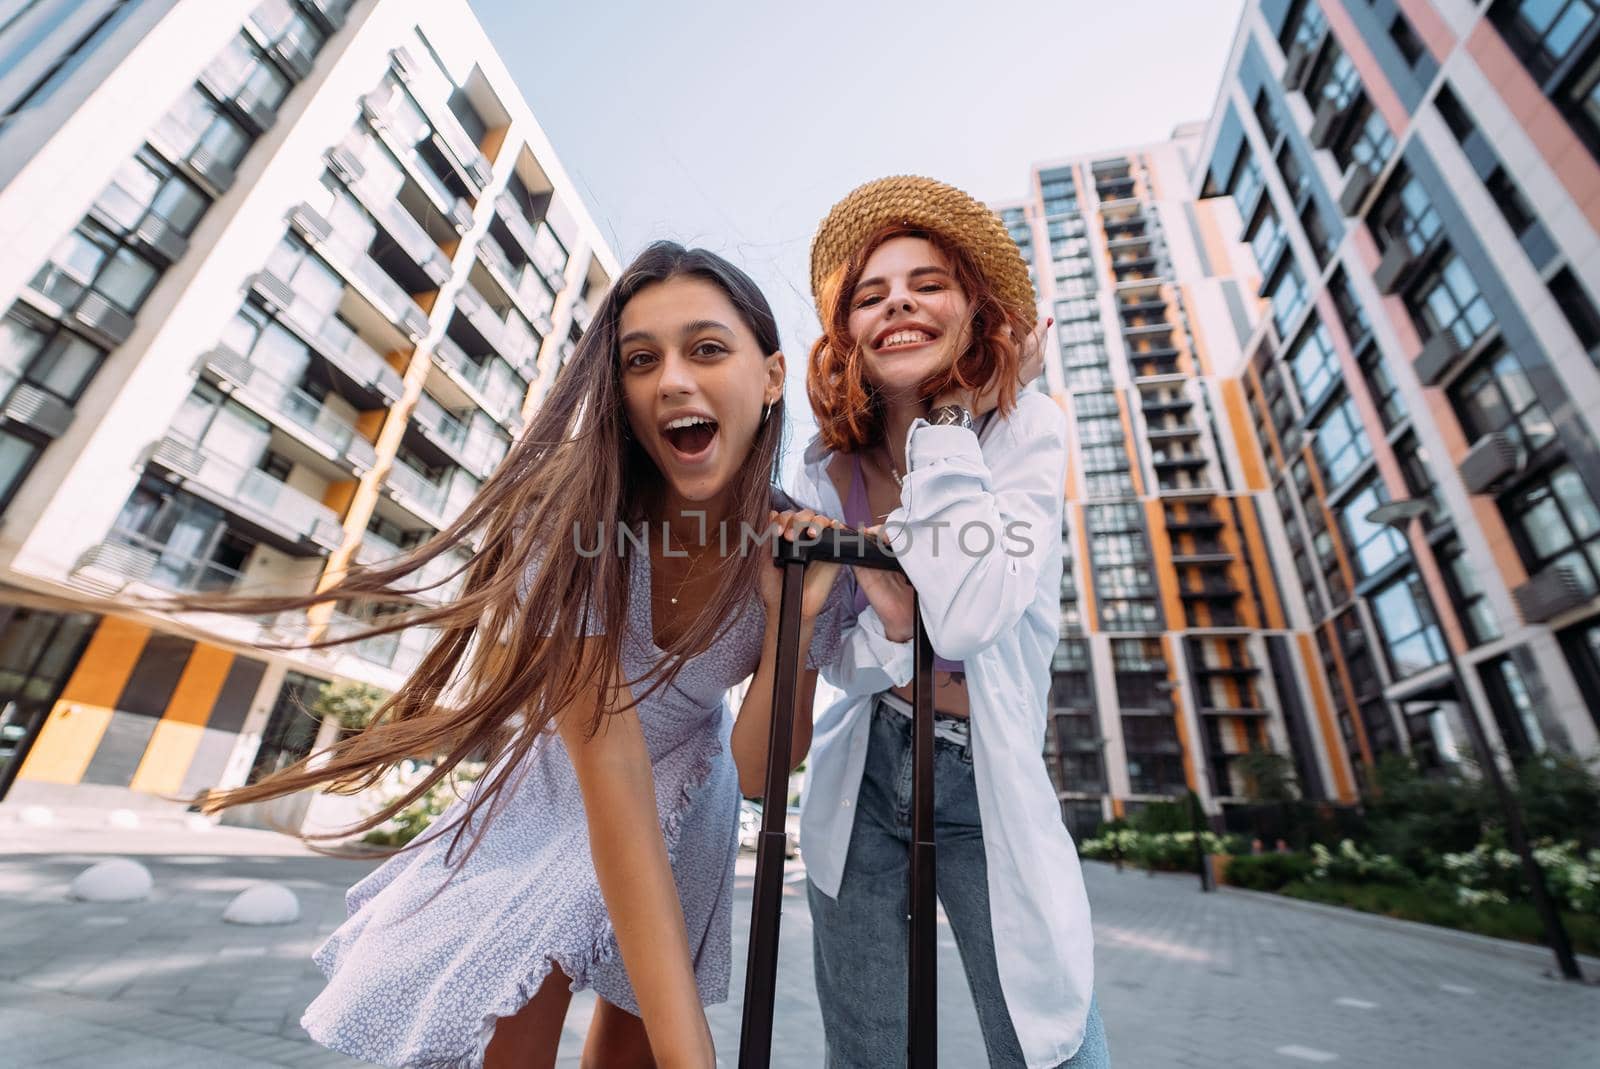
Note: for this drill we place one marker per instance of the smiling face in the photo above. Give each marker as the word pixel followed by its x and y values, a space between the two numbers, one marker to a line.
pixel 908 314
pixel 694 384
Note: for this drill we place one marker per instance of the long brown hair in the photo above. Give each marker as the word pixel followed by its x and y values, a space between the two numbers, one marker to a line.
pixel 533 581
pixel 849 410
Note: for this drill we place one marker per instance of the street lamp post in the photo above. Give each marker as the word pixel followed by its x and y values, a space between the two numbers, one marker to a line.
pixel 1398 515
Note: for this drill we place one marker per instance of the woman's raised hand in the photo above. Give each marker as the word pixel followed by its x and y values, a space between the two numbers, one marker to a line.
pixel 794 524
pixel 1031 354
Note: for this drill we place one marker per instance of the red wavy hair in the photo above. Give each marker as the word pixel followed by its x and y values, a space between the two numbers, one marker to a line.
pixel 847 405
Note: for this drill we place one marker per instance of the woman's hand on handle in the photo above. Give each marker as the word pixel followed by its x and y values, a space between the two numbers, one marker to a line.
pixel 795 524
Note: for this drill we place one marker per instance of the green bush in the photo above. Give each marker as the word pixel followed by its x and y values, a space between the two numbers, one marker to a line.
pixel 1350 863
pixel 1435 903
pixel 1267 872
pixel 415 818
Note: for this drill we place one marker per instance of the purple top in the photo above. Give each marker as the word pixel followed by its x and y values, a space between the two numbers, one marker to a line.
pixel 858 513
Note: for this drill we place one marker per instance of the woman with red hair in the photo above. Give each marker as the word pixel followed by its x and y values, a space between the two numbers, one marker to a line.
pixel 925 433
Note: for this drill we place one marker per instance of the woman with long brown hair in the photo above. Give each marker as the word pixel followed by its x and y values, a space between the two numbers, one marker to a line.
pixel 612 601
pixel 928 318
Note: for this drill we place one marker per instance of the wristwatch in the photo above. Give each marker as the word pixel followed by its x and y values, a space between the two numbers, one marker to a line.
pixel 950 416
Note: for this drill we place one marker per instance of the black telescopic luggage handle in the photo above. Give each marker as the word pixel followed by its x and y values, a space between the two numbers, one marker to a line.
pixel 761 970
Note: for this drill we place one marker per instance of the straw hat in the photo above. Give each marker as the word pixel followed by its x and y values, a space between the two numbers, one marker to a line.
pixel 924 204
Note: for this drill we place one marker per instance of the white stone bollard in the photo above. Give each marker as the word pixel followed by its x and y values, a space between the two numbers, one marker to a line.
pixel 265 903
pixel 116 879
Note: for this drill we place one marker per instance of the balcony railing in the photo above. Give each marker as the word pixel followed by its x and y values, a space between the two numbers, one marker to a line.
pixel 85 307
pixel 525 283
pixel 476 453
pixel 337 437
pixel 431 92
pixel 539 242
pixel 330 337
pixel 126 557
pixel 511 339
pixel 387 295
pixel 250 492
pixel 398 223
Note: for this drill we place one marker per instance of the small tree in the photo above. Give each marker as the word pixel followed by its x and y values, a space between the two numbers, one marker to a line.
pixel 352 704
pixel 1268 777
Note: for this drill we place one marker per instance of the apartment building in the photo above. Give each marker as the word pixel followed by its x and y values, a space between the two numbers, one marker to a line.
pixel 1419 183
pixel 282 280
pixel 1181 649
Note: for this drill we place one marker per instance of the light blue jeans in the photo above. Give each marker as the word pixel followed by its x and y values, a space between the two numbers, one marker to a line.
pixel 859 938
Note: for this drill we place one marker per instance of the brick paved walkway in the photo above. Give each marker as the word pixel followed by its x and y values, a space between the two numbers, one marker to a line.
pixel 1185 979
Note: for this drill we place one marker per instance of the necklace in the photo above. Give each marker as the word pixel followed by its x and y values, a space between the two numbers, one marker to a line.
pixel 894 469
pixel 682 582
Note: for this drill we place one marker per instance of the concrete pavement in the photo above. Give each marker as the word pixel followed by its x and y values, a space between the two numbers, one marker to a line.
pixel 1184 979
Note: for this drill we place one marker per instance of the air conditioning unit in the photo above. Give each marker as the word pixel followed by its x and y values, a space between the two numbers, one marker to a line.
pixel 1395 267
pixel 1436 358
pixel 1356 188
pixel 1298 66
pixel 1325 125
pixel 1559 588
pixel 1495 458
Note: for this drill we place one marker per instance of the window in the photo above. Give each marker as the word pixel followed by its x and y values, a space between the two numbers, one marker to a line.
pixel 1303 26
pixel 1406 214
pixel 197 123
pixel 1266 115
pixel 1520 216
pixel 17 455
pixel 1266 237
pixel 1579 309
pixel 1317 232
pixel 147 184
pixel 1406 40
pixel 1543 32
pixel 1448 301
pixel 1556 523
pixel 242 73
pixel 1314 365
pixel 1340 443
pixel 1288 297
pixel 1466 593
pixel 1368 141
pixel 46 356
pixel 1581 643
pixel 1495 396
pixel 1411 636
pixel 1335 80
pixel 91 258
pixel 1245 182
pixel 1515 710
pixel 1373 546
pixel 1454 113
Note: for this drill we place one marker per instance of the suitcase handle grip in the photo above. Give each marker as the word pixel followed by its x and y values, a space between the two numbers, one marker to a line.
pixel 834 546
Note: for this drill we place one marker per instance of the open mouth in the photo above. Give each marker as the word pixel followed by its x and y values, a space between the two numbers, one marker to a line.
pixel 905 338
pixel 691 436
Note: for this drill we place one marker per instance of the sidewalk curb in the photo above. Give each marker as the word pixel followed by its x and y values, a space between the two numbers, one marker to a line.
pixel 1531 953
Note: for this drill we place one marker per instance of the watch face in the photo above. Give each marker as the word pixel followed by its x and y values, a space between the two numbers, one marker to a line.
pixel 951 416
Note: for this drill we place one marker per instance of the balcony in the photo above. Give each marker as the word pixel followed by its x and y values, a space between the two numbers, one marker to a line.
pixel 1185 524
pixel 245 102
pixel 358 363
pixel 1356 188
pixel 538 242
pixel 523 283
pixel 1207 590
pixel 1437 357
pixel 503 331
pixel 215 174
pixel 310 421
pixel 125 557
pixel 382 292
pixel 431 95
pixel 1237 710
pixel 474 380
pixel 1173 433
pixel 453 437
pixel 26 405
pixel 330 13
pixel 1243 668
pixel 1202 552
pixel 1301 58
pixel 402 129
pixel 407 234
pixel 434 502
pixel 86 310
pixel 267 507
pixel 1176 461
pixel 1157 405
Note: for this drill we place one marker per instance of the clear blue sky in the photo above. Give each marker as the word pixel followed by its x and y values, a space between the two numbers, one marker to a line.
pixel 736 125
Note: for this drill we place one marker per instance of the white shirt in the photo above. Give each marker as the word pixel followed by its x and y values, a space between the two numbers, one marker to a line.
pixel 999 612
